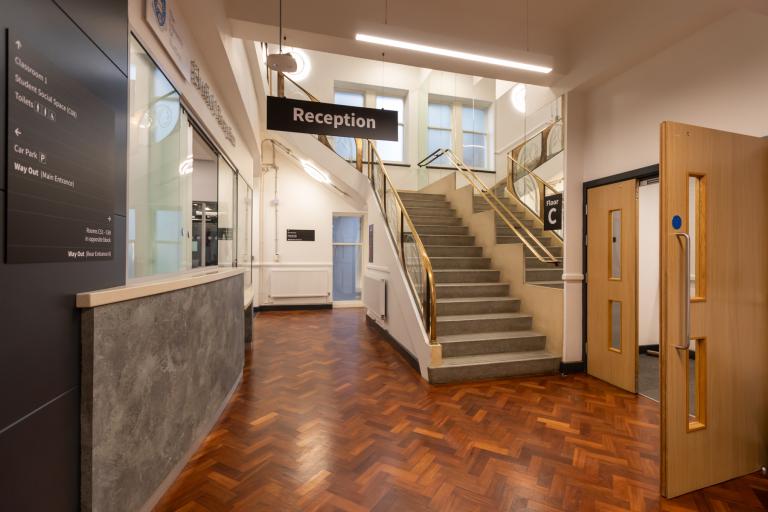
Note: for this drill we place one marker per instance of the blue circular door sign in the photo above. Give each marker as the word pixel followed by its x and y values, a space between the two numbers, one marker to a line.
pixel 677 222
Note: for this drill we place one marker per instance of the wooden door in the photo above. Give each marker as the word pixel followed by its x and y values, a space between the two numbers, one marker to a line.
pixel 714 393
pixel 612 283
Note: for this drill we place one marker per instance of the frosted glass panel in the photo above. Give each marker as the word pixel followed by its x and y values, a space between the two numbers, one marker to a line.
pixel 475 150
pixel 346 229
pixel 615 307
pixel 615 243
pixel 439 115
pixel 353 99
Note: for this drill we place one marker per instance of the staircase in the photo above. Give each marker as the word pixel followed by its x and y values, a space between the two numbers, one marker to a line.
pixel 480 327
pixel 536 272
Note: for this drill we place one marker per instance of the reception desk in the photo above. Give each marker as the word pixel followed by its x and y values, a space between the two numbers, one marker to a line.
pixel 160 361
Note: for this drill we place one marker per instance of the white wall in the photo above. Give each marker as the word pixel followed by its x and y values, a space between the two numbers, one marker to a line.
pixel 205 180
pixel 506 128
pixel 303 203
pixel 648 305
pixel 715 78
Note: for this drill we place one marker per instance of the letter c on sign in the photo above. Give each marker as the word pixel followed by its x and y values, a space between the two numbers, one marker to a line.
pixel 549 215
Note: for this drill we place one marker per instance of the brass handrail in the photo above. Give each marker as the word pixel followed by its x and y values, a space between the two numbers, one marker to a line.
pixel 494 202
pixel 428 309
pixel 511 181
pixel 528 172
pixel 323 138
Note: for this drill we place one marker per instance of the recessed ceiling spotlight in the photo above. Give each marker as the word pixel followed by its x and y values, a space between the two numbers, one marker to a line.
pixel 416 47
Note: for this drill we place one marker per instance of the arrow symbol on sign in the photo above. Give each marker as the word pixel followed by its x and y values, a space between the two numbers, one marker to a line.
pixel 18 44
pixel 17 132
pixel 109 219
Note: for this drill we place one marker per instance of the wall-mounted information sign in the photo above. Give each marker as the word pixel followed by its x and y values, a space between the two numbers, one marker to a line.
pixel 289 115
pixel 61 162
pixel 301 235
pixel 553 212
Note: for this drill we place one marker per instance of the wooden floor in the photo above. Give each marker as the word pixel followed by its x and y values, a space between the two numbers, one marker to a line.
pixel 331 417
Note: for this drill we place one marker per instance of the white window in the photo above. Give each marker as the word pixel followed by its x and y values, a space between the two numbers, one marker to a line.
pixel 474 136
pixel 439 129
pixel 393 150
pixel 389 150
pixel 459 125
pixel 345 146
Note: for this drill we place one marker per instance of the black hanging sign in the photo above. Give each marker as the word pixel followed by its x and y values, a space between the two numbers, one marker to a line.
pixel 553 212
pixel 301 235
pixel 61 160
pixel 290 115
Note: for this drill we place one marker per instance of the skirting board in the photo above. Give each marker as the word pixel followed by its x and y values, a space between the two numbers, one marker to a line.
pixel 290 307
pixel 574 367
pixel 176 471
pixel 409 358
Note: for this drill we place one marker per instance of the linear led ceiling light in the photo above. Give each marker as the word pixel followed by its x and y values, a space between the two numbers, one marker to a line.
pixel 316 173
pixel 451 53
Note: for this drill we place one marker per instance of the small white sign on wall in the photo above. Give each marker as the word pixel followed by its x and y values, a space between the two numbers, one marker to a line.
pixel 164 18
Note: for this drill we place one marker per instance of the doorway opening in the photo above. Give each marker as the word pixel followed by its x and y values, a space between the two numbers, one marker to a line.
pixel 648 289
pixel 622 295
pixel 347 259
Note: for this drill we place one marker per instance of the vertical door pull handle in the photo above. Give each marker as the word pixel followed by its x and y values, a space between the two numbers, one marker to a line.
pixel 687 293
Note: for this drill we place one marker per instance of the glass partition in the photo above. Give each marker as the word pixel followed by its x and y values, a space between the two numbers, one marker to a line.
pixel 227 213
pixel 244 220
pixel 156 191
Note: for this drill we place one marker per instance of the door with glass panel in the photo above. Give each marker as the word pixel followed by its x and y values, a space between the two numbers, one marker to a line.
pixel 612 283
pixel 714 306
pixel 347 257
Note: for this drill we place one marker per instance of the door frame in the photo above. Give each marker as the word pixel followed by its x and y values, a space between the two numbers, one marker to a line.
pixel 643 173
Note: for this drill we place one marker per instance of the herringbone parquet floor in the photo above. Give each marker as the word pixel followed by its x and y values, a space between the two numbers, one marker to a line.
pixel 330 417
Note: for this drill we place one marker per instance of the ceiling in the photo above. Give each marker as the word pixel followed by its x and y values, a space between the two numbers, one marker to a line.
pixel 589 40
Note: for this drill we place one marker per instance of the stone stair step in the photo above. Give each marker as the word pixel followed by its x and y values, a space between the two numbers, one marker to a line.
pixel 454 251
pixel 425 229
pixel 543 274
pixel 534 262
pixel 548 284
pixel 448 262
pixel 433 221
pixel 447 239
pixel 556 250
pixel 458 345
pixel 477 305
pixel 420 211
pixel 489 322
pixel 456 290
pixel 493 366
pixel 429 203
pixel 467 275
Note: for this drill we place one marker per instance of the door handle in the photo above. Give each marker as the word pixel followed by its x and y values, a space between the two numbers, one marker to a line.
pixel 687 344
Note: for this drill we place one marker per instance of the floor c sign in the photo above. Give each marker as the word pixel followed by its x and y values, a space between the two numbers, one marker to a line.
pixel 290 115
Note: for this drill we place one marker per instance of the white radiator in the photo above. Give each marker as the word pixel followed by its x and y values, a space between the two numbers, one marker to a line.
pixel 296 284
pixel 375 295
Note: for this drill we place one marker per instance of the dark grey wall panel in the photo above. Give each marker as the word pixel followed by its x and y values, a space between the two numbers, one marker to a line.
pixel 37 473
pixel 106 22
pixel 39 325
pixel 40 348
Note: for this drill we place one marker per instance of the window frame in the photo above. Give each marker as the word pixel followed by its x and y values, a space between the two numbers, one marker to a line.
pixel 457 129
pixel 370 95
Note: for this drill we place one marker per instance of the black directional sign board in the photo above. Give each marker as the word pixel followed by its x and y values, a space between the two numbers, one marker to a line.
pixel 553 212
pixel 60 164
pixel 300 116
pixel 300 235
